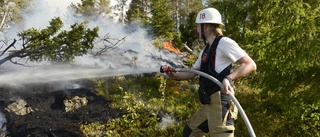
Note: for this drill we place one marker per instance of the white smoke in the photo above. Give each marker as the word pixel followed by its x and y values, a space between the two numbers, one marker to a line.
pixel 135 55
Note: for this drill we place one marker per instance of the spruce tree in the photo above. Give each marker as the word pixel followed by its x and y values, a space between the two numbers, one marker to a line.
pixel 161 19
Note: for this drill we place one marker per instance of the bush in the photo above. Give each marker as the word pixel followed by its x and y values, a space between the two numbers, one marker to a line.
pixel 141 99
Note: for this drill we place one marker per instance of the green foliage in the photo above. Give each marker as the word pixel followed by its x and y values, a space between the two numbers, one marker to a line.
pixel 187 7
pixel 311 119
pixel 161 20
pixel 57 46
pixel 138 119
pixel 188 30
pixel 235 15
pixel 140 99
pixel 177 41
pixel 92 9
pixel 11 11
pixel 157 43
pixel 284 43
pixel 138 10
pixel 281 36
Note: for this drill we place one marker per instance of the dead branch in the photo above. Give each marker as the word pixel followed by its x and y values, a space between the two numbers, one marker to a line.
pixel 14 54
pixel 11 45
pixel 186 46
pixel 109 44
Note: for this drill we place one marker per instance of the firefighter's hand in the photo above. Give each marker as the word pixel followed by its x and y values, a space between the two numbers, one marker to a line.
pixel 227 87
pixel 167 70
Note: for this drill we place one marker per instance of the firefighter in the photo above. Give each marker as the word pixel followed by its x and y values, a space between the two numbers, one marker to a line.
pixel 217 114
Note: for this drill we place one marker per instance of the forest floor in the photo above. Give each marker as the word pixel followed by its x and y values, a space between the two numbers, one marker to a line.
pixel 48 118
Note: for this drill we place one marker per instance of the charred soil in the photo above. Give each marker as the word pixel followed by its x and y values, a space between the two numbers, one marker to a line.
pixel 48 117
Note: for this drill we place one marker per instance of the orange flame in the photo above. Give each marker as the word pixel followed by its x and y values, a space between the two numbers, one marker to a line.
pixel 169 46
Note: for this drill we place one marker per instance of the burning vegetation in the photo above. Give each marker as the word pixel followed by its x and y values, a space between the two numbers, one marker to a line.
pixel 168 46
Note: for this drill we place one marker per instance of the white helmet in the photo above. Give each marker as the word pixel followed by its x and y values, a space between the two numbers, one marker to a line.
pixel 209 15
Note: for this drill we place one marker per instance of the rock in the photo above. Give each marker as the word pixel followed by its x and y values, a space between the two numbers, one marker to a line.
pixel 74 103
pixel 19 107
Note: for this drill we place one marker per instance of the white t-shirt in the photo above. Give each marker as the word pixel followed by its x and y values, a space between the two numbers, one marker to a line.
pixel 228 51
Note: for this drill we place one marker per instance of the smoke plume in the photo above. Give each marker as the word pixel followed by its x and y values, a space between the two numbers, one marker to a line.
pixel 135 55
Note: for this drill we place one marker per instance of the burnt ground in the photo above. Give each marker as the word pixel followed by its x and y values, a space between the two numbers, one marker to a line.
pixel 49 118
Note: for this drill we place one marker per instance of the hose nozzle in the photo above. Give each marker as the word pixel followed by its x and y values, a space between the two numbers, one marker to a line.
pixel 164 69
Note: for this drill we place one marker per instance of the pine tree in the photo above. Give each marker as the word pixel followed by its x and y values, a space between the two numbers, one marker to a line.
pixel 188 30
pixel 138 10
pixel 92 9
pixel 182 8
pixel 52 44
pixel 161 19
pixel 188 11
pixel 283 38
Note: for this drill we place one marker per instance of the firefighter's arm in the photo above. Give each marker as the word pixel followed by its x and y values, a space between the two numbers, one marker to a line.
pixel 179 75
pixel 247 65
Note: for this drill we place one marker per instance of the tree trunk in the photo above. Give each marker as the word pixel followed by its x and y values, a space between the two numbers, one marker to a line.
pixel 4 18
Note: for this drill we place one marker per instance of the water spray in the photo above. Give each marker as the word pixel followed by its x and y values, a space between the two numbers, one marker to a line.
pixel 243 114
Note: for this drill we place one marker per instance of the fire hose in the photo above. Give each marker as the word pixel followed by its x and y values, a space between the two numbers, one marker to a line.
pixel 243 114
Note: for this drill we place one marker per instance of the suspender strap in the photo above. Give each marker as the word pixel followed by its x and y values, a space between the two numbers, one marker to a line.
pixel 212 53
pixel 207 87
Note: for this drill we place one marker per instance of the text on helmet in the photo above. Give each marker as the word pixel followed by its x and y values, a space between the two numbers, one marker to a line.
pixel 202 15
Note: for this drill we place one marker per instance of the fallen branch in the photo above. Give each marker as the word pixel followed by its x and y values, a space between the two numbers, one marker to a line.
pixel 109 45
pixel 186 46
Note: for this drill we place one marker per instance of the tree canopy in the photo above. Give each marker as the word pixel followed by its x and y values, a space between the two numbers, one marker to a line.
pixel 91 9
pixel 53 44
pixel 12 10
pixel 283 39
